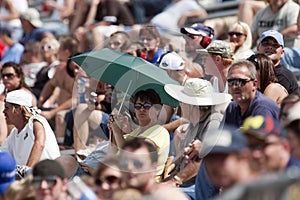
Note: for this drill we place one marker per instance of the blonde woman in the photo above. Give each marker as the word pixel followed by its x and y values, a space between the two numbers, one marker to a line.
pixel 240 38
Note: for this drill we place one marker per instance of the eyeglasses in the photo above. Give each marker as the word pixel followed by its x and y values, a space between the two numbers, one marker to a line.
pixel 146 106
pixel 108 179
pixel 47 47
pixel 147 38
pixel 239 82
pixel 136 163
pixel 114 43
pixel 237 34
pixel 37 181
pixel 8 75
pixel 272 44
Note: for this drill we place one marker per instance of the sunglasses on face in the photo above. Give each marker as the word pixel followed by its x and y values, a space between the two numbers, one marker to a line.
pixel 146 106
pixel 37 181
pixel 114 43
pixel 108 179
pixel 47 47
pixel 272 44
pixel 137 164
pixel 8 75
pixel 237 34
pixel 239 82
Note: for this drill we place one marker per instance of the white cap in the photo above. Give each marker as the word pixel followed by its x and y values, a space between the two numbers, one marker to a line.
pixel 19 97
pixel 171 61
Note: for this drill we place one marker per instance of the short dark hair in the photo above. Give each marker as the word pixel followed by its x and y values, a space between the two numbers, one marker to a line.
pixel 137 143
pixel 147 95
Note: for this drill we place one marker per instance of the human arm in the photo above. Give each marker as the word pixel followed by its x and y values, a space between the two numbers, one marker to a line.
pixel 66 10
pixel 13 14
pixel 39 143
pixel 196 13
pixel 51 113
pixel 46 92
pixel 175 124
pixel 91 13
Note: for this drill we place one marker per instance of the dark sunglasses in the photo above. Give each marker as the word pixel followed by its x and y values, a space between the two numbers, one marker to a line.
pixel 108 179
pixel 136 163
pixel 37 181
pixel 145 106
pixel 238 81
pixel 114 43
pixel 47 47
pixel 8 75
pixel 238 34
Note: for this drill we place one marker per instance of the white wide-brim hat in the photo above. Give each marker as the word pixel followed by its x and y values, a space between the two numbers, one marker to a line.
pixel 197 91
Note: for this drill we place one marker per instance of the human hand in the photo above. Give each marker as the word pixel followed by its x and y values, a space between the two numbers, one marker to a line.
pixel 48 114
pixel 191 153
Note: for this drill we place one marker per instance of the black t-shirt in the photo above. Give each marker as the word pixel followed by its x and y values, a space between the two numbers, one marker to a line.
pixel 287 79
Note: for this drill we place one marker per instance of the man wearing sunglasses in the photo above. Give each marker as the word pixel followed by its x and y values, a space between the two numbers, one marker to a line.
pixel 138 163
pixel 247 100
pixel 49 180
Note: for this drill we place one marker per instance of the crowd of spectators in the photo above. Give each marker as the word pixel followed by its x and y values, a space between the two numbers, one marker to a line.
pixel 64 133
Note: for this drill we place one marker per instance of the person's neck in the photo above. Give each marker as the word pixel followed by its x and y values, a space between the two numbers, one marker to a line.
pixel 145 126
pixel 151 54
pixel 275 8
pixel 51 59
pixel 20 124
pixel 150 187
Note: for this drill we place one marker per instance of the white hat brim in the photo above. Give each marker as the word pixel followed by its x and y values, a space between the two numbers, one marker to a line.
pixel 194 32
pixel 176 91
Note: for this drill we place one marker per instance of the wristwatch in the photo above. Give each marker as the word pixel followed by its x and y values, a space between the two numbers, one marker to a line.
pixel 178 180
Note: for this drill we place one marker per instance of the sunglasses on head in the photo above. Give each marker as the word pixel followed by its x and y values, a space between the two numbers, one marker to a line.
pixel 37 181
pixel 238 81
pixel 47 47
pixel 238 34
pixel 8 75
pixel 145 106
pixel 108 179
pixel 136 163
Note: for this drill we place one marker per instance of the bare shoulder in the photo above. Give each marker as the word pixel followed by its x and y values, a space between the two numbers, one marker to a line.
pixel 165 191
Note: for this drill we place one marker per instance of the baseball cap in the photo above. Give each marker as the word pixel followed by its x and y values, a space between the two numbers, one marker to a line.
pixel 262 127
pixel 226 140
pixel 198 29
pixel 48 167
pixel 7 171
pixel 19 97
pixel 274 34
pixel 171 61
pixel 218 47
pixel 33 16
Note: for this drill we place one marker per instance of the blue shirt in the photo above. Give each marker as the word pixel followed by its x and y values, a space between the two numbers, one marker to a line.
pixel 13 54
pixel 34 36
pixel 156 56
pixel 260 105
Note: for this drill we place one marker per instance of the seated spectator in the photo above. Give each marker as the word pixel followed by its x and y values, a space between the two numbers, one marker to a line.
pixel 49 50
pixel 271 44
pixel 150 37
pixel 267 80
pixel 31 62
pixel 176 15
pixel 13 79
pixel 147 105
pixel 60 15
pixel 37 138
pixel 292 130
pixel 51 172
pixel 138 163
pixel 32 26
pixel 285 108
pixel 240 38
pixel 247 100
pixel 248 9
pixel 14 50
pixel 107 178
pixel 20 189
pixel 198 106
pixel 104 18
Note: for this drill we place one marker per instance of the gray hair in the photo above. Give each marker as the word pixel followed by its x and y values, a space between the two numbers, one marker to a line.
pixel 248 64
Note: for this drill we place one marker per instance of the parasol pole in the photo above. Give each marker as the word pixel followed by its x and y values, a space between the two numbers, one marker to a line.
pixel 123 100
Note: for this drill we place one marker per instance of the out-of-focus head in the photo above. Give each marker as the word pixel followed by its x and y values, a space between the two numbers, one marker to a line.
pixel 7 171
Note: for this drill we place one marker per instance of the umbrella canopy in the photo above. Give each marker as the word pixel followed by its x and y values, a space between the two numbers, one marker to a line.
pixel 126 72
